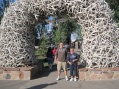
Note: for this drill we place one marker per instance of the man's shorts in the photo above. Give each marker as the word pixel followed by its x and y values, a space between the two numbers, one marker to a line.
pixel 61 65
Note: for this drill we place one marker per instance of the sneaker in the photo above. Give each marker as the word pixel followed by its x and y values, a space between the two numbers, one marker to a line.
pixel 71 79
pixel 58 78
pixel 75 79
pixel 66 78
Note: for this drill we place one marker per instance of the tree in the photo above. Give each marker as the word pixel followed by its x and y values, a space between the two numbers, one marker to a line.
pixel 43 44
pixel 64 30
pixel 78 31
pixel 114 5
pixel 59 36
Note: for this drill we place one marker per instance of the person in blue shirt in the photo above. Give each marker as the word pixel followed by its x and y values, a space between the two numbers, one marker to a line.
pixel 72 59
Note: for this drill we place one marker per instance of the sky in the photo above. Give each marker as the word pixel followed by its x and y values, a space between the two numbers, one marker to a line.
pixel 2 4
pixel 49 26
pixel 51 18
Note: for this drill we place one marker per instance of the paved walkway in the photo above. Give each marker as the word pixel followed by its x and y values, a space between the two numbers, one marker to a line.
pixel 47 81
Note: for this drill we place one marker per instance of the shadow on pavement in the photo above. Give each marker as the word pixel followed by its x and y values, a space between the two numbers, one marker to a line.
pixel 42 86
pixel 46 72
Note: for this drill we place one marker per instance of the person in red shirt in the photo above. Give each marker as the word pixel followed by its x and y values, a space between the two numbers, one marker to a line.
pixel 54 50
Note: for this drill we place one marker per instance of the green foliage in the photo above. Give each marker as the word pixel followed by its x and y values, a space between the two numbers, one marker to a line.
pixel 57 37
pixel 60 34
pixel 43 43
pixel 114 5
pixel 78 32
pixel 69 25
pixel 64 30
pixel 0 18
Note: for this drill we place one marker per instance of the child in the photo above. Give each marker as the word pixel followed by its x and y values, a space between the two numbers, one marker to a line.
pixel 72 60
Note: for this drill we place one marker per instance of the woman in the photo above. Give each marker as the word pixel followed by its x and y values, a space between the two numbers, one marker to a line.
pixel 72 60
pixel 50 58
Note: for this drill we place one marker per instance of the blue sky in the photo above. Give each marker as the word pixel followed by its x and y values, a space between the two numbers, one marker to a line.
pixel 2 2
pixel 51 18
pixel 13 0
pixel 2 5
pixel 49 26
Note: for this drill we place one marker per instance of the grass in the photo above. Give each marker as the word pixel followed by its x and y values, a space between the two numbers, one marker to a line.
pixel 43 58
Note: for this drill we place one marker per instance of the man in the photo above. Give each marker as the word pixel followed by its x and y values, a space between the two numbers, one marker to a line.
pixel 72 60
pixel 61 55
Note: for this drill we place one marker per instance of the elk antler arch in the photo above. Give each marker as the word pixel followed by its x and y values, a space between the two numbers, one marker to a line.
pixel 100 34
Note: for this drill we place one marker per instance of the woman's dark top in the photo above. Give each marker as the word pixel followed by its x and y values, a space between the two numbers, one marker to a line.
pixel 50 54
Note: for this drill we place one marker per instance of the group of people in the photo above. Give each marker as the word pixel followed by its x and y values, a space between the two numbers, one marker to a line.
pixel 62 57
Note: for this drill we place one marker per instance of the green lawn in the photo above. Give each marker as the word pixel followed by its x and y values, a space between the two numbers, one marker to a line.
pixel 42 58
